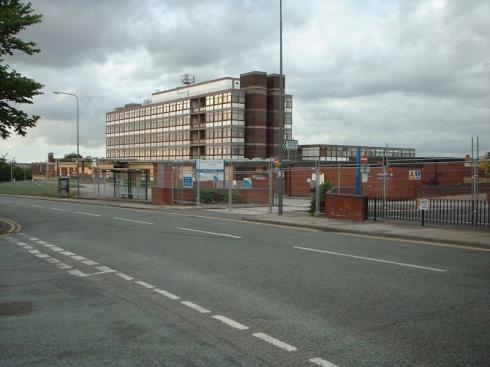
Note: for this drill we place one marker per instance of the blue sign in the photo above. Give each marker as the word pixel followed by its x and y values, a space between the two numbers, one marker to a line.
pixel 247 183
pixel 188 182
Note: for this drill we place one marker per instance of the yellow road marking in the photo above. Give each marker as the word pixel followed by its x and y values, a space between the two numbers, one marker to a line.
pixel 14 227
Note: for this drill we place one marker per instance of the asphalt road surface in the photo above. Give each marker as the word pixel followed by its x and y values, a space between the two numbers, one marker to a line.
pixel 86 285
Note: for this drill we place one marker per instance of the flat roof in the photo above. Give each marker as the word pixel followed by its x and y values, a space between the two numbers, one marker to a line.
pixel 194 85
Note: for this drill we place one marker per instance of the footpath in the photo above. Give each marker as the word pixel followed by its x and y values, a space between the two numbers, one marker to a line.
pixel 295 216
pixel 416 232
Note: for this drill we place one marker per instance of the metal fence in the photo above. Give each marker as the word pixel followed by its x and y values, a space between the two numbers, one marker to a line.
pixel 114 183
pixel 441 211
pixel 242 183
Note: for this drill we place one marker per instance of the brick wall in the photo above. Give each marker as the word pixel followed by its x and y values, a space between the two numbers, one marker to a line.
pixel 437 179
pixel 163 195
pixel 347 207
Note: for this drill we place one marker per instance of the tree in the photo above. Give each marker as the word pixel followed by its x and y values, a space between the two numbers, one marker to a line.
pixel 15 88
pixel 72 156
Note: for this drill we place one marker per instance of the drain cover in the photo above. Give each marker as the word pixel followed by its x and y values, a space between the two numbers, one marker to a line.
pixel 15 308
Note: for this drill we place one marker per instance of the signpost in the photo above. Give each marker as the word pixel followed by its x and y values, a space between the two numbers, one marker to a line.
pixel 290 145
pixel 423 205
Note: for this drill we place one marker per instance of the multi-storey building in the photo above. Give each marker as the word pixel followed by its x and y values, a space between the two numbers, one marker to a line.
pixel 227 118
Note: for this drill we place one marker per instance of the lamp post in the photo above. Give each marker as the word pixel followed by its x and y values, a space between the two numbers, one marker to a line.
pixel 279 181
pixel 78 143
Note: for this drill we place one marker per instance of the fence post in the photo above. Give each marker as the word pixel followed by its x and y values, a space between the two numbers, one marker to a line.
pixel 172 184
pixel 338 179
pixel 271 198
pixel 423 216
pixel 375 201
pixel 230 186
pixel 198 182
pixel 317 188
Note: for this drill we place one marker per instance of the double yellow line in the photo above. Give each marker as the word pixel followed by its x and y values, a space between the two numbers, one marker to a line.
pixel 14 227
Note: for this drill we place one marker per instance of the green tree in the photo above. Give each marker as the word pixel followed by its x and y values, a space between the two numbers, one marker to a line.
pixel 485 166
pixel 72 156
pixel 15 88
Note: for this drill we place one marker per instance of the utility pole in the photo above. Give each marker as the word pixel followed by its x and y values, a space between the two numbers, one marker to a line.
pixel 281 121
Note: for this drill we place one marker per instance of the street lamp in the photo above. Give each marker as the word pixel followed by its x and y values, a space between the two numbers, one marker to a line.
pixel 78 143
pixel 280 186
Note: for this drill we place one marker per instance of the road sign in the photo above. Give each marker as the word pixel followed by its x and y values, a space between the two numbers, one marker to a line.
pixel 423 204
pixel 210 164
pixel 365 168
pixel 247 183
pixel 187 182
pixel 414 175
pixel 290 145
pixel 364 159
pixel 364 177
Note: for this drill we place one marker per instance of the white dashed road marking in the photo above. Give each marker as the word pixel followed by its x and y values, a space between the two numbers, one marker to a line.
pixel 83 213
pixel 322 362
pixel 57 249
pixel 124 276
pixel 230 322
pixel 167 294
pixel 206 232
pixel 59 209
pixel 144 284
pixel 105 269
pixel 370 259
pixel 63 266
pixel 90 262
pixel 37 206
pixel 78 273
pixel 42 256
pixel 78 257
pixel 34 251
pixel 134 221
pixel 33 239
pixel 67 253
pixel 195 307
pixel 275 342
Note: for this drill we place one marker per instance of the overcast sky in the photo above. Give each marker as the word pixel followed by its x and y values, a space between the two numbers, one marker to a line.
pixel 407 73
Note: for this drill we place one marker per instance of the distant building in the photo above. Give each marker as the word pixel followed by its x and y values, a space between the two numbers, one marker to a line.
pixel 347 153
pixel 226 118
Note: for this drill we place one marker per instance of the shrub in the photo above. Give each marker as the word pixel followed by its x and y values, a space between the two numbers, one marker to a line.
pixel 220 196
pixel 324 187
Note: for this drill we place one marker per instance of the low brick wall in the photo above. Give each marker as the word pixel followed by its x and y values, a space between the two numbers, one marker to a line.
pixel 344 206
pixel 256 196
pixel 163 195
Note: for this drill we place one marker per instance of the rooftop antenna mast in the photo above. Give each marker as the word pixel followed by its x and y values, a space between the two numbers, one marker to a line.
pixel 188 79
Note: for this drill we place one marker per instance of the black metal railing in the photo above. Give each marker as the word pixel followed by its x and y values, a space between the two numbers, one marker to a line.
pixel 442 211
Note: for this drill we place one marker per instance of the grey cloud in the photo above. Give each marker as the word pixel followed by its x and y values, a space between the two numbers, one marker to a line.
pixel 402 72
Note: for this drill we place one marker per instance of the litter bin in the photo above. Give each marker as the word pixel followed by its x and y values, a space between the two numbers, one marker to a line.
pixel 64 186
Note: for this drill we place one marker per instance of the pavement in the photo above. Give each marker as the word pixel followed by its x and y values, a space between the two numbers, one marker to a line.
pixel 94 285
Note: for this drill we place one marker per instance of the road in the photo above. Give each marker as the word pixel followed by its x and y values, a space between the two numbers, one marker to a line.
pixel 105 286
